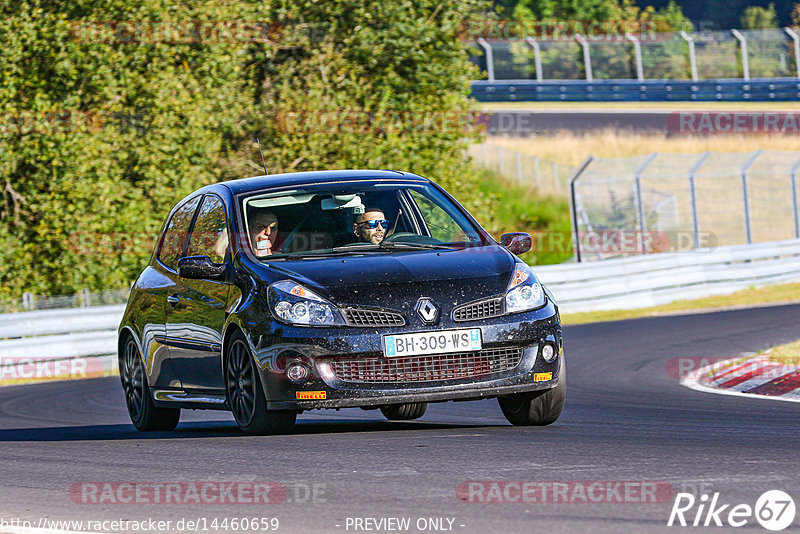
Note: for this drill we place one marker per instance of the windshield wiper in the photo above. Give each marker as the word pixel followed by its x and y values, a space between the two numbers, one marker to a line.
pixel 411 246
pixel 347 250
pixel 361 248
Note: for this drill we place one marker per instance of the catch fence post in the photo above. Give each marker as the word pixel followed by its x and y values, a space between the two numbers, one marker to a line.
pixel 745 62
pixel 573 212
pixel 500 160
pixel 746 197
pixel 489 58
pixel 693 197
pixel 537 57
pixel 794 198
pixel 637 177
pixel 692 56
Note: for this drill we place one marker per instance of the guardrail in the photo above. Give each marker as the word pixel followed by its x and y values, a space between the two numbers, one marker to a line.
pixel 766 89
pixel 654 279
pixel 611 284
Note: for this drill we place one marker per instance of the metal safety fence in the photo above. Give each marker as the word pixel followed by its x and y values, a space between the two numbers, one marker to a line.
pixel 701 55
pixel 547 176
pixel 679 202
pixel 81 299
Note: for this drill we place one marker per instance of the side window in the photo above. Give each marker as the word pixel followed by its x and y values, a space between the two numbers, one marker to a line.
pixel 440 224
pixel 210 233
pixel 175 234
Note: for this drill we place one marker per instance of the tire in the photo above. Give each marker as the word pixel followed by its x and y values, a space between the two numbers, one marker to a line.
pixel 404 412
pixel 145 416
pixel 536 408
pixel 245 395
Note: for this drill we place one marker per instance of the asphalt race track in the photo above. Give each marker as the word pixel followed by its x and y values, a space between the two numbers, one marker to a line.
pixel 626 419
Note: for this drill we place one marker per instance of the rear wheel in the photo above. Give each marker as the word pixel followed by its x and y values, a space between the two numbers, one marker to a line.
pixel 246 396
pixel 144 414
pixel 536 408
pixel 404 412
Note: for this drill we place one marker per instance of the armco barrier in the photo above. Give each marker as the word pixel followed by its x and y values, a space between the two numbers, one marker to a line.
pixel 764 89
pixel 655 279
pixel 611 284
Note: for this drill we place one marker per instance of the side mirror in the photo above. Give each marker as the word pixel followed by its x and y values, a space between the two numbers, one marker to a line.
pixel 516 242
pixel 201 268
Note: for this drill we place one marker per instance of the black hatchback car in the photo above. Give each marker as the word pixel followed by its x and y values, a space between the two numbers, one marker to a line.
pixel 278 294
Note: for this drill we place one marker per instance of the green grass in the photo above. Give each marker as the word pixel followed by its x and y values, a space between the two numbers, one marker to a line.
pixel 787 354
pixel 777 294
pixel 521 209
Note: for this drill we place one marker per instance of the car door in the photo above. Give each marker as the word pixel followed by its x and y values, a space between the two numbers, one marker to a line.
pixel 170 249
pixel 196 315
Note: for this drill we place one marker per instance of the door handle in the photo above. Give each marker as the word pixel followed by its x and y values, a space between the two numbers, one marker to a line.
pixel 173 299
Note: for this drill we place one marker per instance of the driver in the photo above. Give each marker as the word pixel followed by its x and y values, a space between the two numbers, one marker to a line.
pixel 371 226
pixel 264 233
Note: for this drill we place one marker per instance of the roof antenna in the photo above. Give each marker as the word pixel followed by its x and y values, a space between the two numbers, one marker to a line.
pixel 264 163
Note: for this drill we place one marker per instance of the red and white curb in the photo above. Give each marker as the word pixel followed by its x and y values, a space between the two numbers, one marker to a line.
pixel 755 376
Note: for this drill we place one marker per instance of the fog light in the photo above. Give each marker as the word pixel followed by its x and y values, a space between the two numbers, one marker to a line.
pixel 297 372
pixel 549 352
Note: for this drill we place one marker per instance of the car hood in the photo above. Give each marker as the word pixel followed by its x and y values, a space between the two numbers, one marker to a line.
pixel 392 280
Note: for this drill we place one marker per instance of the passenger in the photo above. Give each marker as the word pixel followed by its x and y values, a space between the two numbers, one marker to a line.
pixel 264 233
pixel 371 226
pixel 221 245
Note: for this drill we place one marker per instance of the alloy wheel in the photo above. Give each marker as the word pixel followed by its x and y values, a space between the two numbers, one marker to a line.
pixel 240 383
pixel 133 380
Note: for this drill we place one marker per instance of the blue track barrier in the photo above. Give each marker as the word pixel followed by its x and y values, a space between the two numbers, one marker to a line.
pixel 756 90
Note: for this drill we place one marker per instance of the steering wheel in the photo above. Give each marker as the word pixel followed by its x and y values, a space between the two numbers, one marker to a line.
pixel 399 235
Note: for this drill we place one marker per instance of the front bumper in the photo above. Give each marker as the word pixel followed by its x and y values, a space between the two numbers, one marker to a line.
pixel 315 346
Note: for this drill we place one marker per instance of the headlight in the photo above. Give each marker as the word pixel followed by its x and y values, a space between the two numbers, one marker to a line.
pixel 294 304
pixel 524 292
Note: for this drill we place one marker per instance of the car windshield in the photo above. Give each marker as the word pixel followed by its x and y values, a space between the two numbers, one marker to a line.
pixel 344 219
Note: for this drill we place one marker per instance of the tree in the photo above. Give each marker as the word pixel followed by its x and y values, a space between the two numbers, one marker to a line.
pixel 759 18
pixel 144 122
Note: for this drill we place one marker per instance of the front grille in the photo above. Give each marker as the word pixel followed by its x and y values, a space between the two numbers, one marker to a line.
pixel 482 309
pixel 354 317
pixel 426 368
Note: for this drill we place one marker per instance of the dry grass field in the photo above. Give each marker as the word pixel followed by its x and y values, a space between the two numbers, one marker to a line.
pixel 571 149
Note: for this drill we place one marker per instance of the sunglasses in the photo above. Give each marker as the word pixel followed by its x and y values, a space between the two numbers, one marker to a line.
pixel 375 222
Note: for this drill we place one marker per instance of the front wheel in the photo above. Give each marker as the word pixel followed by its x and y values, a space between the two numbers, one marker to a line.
pixel 246 396
pixel 404 412
pixel 144 414
pixel 536 408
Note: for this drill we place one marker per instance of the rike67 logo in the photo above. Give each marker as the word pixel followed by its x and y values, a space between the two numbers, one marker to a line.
pixel 774 510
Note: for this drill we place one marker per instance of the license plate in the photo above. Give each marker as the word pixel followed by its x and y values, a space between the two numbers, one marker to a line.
pixel 432 342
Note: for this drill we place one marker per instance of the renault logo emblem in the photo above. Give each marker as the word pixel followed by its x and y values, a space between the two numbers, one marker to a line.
pixel 427 310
